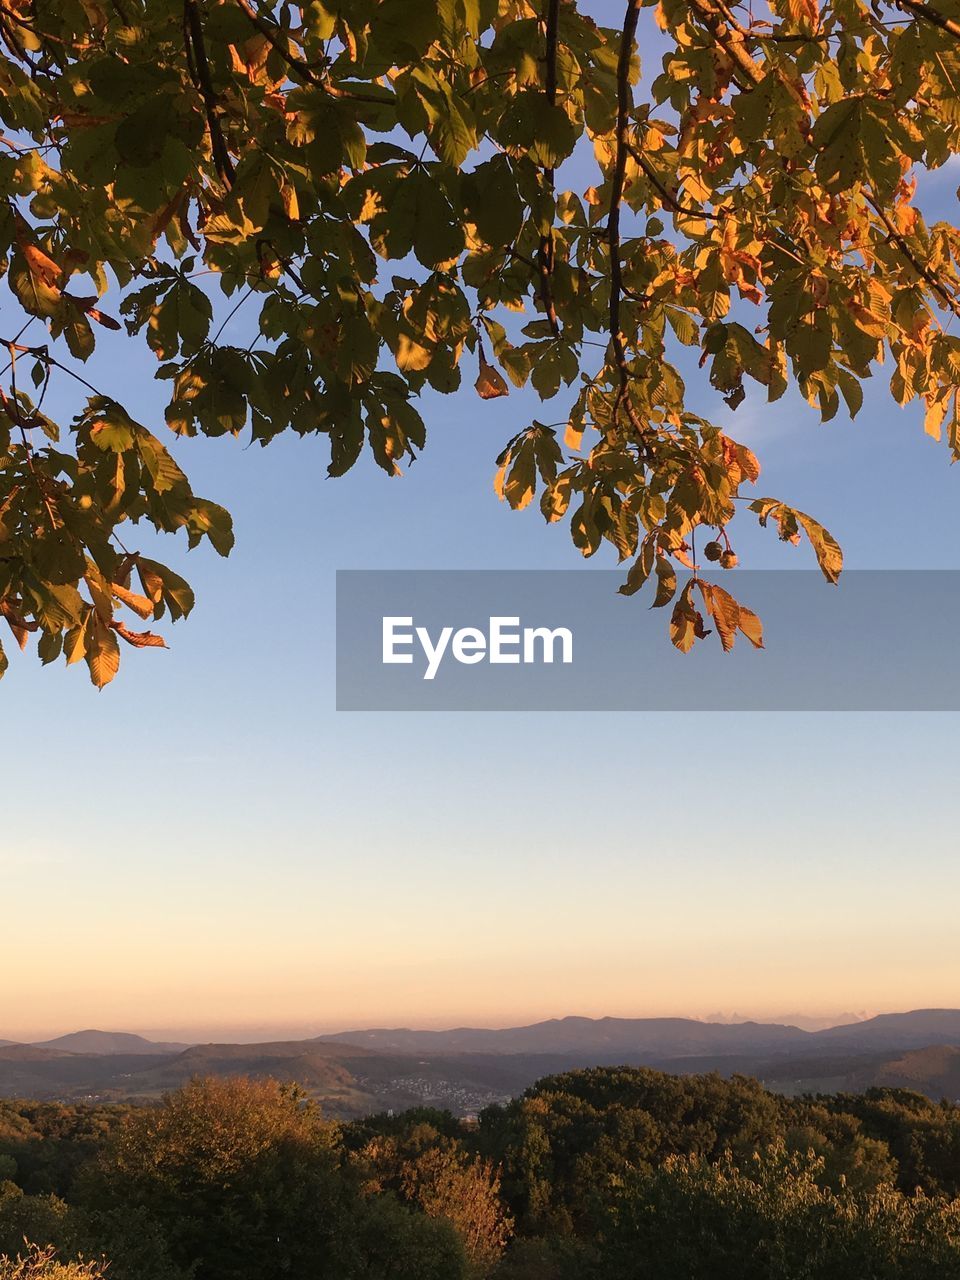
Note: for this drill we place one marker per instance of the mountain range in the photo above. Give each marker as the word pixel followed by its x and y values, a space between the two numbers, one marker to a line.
pixel 668 1037
pixel 467 1068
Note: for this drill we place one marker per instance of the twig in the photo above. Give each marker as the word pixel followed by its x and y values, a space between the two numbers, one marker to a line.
pixel 200 72
pixel 669 199
pixel 13 341
pixel 731 40
pixel 28 450
pixel 520 257
pixel 933 16
pixel 792 37
pixel 922 269
pixel 284 262
pixel 41 353
pixel 231 313
pixel 304 70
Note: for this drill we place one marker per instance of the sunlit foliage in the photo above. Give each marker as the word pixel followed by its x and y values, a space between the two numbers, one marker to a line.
pixel 379 183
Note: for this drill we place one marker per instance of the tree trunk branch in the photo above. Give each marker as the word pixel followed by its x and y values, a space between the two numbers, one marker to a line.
pixel 200 70
pixel 624 103
pixel 545 255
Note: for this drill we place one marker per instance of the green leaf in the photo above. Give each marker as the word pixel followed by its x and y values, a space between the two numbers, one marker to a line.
pixel 492 201
pixel 532 124
pixel 164 588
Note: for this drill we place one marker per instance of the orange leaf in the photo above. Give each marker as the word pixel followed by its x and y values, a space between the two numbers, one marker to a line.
pixel 139 639
pixel 139 604
pixel 490 384
pixel 40 265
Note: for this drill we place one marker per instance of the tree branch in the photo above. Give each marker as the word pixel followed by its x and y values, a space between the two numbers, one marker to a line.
pixel 730 36
pixel 713 18
pixel 200 71
pixel 545 255
pixel 624 103
pixel 27 448
pixel 301 70
pixel 42 353
pixel 670 200
pixel 933 16
pixel 922 269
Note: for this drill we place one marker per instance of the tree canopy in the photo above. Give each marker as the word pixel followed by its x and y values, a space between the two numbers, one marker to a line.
pixel 607 1173
pixel 383 182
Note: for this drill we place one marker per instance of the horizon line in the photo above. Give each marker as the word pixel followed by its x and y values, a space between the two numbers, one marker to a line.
pixel 308 1030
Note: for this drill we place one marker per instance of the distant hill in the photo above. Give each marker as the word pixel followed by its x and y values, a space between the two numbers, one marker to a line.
pixel 915 1030
pixel 591 1036
pixel 465 1069
pixel 13 1052
pixel 320 1069
pixel 32 1071
pixel 805 1021
pixel 671 1037
pixel 934 1071
pixel 107 1042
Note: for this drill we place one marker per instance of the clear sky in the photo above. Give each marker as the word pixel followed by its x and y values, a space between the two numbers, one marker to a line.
pixel 207 848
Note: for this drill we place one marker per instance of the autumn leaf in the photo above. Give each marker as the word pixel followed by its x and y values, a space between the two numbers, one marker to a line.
pixel 139 639
pixel 315 226
pixel 490 383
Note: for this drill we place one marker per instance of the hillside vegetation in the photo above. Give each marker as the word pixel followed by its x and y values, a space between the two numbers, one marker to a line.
pixel 604 1174
pixel 464 1070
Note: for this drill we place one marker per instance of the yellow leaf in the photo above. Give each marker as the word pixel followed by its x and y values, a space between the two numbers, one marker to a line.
pixel 103 651
pixel 934 416
pixel 99 591
pixel 151 582
pixel 573 436
pixel 695 187
pixel 751 626
pixel 725 612
pixel 411 355
pixel 291 205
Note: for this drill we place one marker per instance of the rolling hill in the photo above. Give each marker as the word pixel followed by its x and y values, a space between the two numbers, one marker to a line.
pixel 108 1042
pixel 913 1030
pixel 576 1036
pixel 468 1068
pixel 672 1037
pixel 934 1071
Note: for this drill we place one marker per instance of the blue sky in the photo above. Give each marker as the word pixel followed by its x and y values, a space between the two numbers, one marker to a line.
pixel 209 848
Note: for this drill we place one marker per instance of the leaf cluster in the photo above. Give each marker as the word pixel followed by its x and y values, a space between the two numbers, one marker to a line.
pixel 378 184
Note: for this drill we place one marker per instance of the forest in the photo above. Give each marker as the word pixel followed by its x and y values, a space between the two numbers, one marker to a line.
pixel 607 1174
